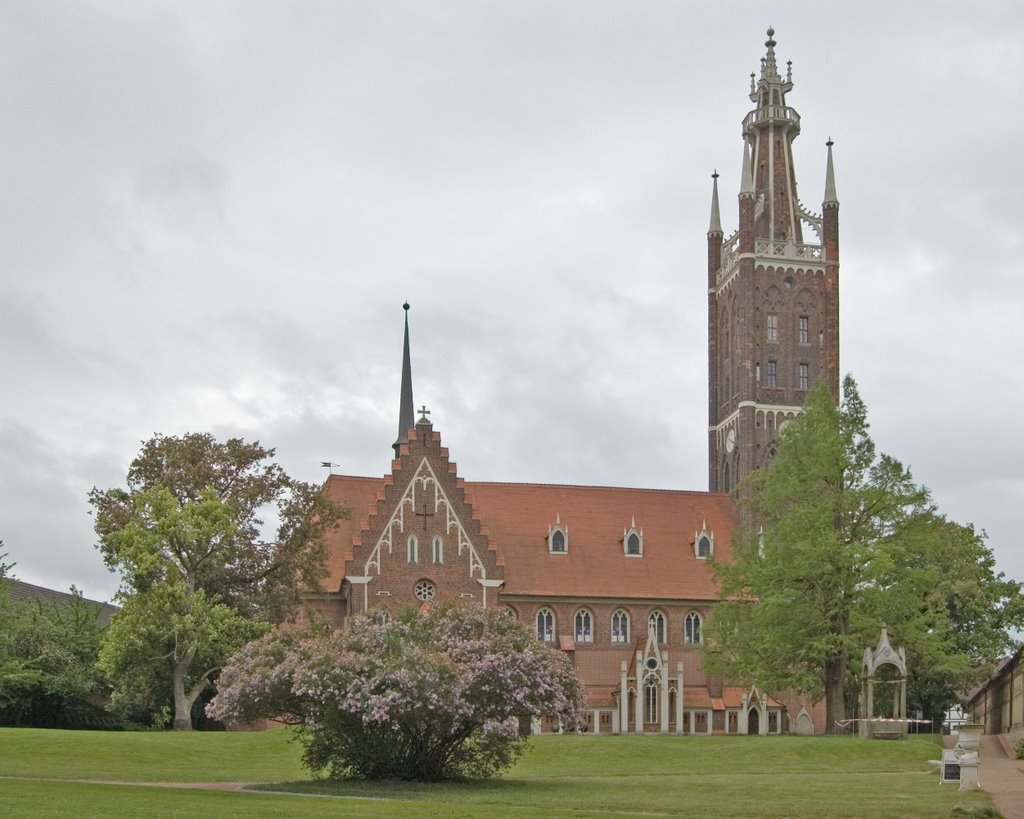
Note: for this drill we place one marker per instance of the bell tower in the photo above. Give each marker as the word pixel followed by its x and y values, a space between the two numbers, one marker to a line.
pixel 773 290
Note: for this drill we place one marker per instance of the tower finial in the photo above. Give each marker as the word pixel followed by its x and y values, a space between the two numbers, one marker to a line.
pixel 406 416
pixel 716 221
pixel 769 71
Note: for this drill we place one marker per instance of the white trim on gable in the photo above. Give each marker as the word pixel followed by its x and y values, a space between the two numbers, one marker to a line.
pixel 421 482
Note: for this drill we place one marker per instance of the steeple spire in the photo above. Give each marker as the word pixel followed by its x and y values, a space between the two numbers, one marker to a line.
pixel 830 178
pixel 406 416
pixel 716 221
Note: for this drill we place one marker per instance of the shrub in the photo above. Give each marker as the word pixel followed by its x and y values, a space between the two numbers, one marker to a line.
pixel 423 696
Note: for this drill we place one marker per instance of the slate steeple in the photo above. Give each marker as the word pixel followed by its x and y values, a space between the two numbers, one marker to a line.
pixel 406 416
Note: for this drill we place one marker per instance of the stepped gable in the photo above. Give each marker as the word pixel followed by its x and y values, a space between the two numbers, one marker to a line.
pixel 520 516
pixel 422 500
pixel 359 495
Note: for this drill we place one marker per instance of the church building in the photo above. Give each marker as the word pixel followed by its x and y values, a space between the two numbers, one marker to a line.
pixel 619 578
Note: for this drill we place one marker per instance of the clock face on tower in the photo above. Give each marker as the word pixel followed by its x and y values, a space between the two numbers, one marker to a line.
pixel 730 441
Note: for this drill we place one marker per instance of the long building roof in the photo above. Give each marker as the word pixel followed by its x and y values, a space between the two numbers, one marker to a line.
pixel 517 518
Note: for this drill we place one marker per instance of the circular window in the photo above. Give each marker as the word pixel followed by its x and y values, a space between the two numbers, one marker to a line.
pixel 425 590
pixel 652 663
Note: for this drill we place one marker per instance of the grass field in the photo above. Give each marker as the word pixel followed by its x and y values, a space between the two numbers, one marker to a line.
pixel 82 773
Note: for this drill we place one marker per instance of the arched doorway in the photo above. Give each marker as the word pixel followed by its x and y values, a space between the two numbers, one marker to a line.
pixel 753 721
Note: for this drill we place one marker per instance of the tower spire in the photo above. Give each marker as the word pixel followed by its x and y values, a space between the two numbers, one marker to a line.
pixel 406 416
pixel 773 292
pixel 716 221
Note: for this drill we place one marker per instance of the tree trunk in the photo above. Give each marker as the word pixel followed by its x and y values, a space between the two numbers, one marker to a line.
pixel 835 678
pixel 182 702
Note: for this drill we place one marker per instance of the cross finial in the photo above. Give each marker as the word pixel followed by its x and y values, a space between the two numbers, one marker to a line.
pixel 424 412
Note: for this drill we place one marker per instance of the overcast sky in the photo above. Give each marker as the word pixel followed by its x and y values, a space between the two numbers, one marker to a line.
pixel 211 213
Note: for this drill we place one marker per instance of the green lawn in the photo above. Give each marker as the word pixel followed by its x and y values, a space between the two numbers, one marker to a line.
pixel 69 773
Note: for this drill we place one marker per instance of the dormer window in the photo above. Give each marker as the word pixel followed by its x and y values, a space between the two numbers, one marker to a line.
pixel 703 543
pixel 558 537
pixel 704 546
pixel 633 541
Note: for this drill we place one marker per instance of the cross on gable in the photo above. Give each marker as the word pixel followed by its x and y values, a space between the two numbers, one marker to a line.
pixel 424 412
pixel 424 514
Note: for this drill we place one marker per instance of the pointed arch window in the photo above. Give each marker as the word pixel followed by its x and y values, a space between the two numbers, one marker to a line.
pixel 546 625
pixel 412 549
pixel 656 624
pixel 620 627
pixel 558 537
pixel 633 540
pixel 692 629
pixel 704 542
pixel 651 702
pixel 583 622
pixel 438 550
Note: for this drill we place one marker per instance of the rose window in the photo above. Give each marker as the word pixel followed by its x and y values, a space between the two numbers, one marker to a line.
pixel 425 590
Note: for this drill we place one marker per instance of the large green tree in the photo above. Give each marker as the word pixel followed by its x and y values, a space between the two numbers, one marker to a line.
pixel 835 541
pixel 48 650
pixel 198 578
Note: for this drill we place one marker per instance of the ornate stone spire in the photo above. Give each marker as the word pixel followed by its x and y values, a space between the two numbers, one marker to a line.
pixel 406 416
pixel 830 178
pixel 747 175
pixel 716 221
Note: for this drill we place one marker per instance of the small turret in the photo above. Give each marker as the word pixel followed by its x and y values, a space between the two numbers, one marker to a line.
pixel 714 234
pixel 830 212
pixel 830 178
pixel 716 221
pixel 747 175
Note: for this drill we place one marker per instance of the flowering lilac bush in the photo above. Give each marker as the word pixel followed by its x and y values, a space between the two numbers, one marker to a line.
pixel 425 696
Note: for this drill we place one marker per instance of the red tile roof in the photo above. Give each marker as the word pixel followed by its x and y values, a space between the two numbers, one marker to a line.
pixel 21 592
pixel 518 517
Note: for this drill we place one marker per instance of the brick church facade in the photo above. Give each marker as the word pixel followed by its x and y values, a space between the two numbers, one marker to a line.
pixel 619 578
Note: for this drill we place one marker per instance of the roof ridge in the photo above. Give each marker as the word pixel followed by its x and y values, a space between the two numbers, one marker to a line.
pixel 610 487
